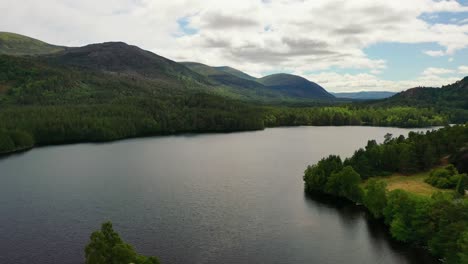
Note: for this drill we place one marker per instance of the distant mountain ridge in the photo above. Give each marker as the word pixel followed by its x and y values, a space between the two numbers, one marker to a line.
pixel 121 58
pixel 284 85
pixel 364 95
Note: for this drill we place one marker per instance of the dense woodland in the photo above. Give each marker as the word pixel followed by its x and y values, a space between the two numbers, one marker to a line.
pixel 43 102
pixel 351 115
pixel 440 222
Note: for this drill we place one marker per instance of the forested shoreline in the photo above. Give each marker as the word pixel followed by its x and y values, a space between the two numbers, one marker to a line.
pixel 439 222
pixel 27 126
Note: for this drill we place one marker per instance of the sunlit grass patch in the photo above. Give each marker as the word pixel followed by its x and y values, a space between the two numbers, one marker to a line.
pixel 411 183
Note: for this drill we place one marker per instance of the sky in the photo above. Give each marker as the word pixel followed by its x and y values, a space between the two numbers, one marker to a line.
pixel 351 45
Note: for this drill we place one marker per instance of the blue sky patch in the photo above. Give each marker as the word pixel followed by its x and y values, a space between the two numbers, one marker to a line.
pixel 184 26
pixel 404 61
pixel 444 17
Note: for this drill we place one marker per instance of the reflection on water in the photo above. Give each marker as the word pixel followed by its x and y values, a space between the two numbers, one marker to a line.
pixel 378 234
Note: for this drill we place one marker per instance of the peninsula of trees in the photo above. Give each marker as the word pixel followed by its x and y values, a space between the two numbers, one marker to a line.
pixel 438 222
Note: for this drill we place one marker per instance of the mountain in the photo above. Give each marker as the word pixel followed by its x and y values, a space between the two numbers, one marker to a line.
pixel 272 87
pixel 364 95
pixel 15 44
pixel 119 57
pixel 295 86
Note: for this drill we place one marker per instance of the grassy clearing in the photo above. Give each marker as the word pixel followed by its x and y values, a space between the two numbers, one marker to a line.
pixel 412 183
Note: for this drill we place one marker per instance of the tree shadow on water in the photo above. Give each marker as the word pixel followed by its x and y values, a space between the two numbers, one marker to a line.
pixel 379 234
pixel 348 212
pixel 357 218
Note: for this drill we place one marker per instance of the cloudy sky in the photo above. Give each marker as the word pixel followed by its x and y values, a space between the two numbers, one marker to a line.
pixel 343 45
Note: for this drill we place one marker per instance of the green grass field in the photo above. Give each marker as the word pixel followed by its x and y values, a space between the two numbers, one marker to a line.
pixel 412 183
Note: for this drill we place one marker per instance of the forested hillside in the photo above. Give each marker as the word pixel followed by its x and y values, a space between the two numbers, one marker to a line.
pixel 58 105
pixel 121 58
pixel 451 99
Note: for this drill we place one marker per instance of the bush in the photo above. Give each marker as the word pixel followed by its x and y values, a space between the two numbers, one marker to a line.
pixel 444 178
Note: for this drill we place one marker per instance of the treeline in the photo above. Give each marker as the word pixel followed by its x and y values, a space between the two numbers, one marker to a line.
pixel 54 124
pixel 418 152
pixel 439 223
pixel 196 112
pixel 349 115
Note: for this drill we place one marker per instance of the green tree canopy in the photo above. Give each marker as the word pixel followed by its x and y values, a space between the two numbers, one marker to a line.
pixel 106 247
pixel 375 198
pixel 345 183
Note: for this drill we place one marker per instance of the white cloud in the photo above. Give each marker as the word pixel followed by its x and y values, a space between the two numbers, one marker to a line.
pixel 253 36
pixel 436 71
pixel 434 53
pixel 335 82
pixel 430 77
pixel 463 70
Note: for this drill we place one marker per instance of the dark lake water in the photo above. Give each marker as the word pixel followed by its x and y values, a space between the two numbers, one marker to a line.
pixel 213 198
